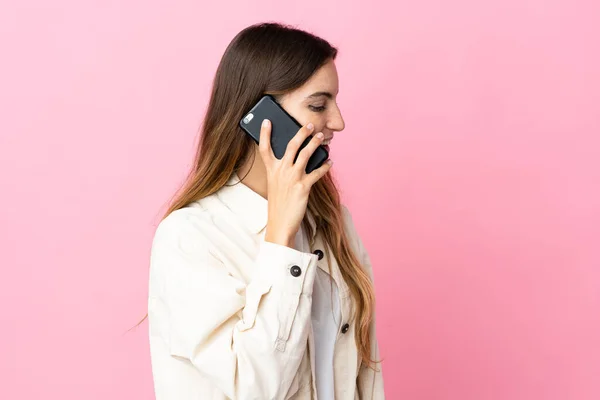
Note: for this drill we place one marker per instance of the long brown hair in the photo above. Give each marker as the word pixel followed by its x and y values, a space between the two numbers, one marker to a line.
pixel 272 58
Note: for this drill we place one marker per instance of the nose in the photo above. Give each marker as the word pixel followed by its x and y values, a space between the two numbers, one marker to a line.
pixel 336 121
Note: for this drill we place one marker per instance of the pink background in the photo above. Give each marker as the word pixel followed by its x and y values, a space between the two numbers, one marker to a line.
pixel 479 200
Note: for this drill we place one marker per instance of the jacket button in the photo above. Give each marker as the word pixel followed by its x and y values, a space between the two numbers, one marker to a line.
pixel 295 271
pixel 345 328
pixel 319 253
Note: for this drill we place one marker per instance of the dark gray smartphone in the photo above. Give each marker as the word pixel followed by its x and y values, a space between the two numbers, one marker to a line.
pixel 283 128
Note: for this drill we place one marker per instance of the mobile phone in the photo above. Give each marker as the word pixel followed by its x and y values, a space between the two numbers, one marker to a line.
pixel 283 128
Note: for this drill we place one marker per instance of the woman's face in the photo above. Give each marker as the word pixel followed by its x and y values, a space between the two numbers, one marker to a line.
pixel 315 102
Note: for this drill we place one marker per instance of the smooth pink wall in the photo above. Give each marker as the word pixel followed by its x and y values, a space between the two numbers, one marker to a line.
pixel 479 200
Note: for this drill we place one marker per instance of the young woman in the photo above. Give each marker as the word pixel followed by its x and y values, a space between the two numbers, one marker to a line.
pixel 260 286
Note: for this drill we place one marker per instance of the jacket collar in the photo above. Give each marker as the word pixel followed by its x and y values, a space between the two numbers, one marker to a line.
pixel 249 206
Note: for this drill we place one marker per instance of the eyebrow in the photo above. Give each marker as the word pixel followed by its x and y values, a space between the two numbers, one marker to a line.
pixel 317 94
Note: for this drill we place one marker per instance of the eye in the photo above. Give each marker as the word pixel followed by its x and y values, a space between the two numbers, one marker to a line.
pixel 317 109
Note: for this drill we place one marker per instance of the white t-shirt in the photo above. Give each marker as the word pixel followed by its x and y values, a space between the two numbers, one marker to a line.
pixel 325 320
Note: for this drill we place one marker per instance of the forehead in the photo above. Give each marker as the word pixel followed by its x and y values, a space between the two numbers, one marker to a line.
pixel 325 79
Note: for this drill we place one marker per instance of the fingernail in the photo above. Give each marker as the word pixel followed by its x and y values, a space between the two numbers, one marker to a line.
pixel 330 161
pixel 265 123
pixel 310 125
pixel 320 135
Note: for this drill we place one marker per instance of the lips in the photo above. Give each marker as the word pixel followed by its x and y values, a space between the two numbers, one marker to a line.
pixel 326 147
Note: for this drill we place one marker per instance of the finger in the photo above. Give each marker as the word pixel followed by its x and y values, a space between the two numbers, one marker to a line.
pixel 308 150
pixel 264 143
pixel 318 173
pixel 294 145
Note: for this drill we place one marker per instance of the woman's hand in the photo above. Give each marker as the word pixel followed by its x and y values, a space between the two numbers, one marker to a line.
pixel 288 183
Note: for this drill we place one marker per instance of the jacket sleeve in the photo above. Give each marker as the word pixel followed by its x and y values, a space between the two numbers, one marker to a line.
pixel 369 382
pixel 238 335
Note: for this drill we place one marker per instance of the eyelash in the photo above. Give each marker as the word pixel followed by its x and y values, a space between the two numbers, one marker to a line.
pixel 317 109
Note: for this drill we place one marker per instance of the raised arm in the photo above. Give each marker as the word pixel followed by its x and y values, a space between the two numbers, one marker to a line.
pixel 238 336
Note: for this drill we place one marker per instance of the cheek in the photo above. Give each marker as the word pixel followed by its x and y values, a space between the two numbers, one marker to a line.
pixel 318 119
pixel 322 123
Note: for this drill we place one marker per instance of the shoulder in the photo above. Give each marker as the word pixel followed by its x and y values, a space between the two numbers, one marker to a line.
pixel 184 219
pixel 355 239
pixel 350 228
pixel 348 221
pixel 346 213
pixel 185 229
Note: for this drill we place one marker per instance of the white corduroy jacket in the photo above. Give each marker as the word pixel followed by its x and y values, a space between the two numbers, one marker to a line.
pixel 230 313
